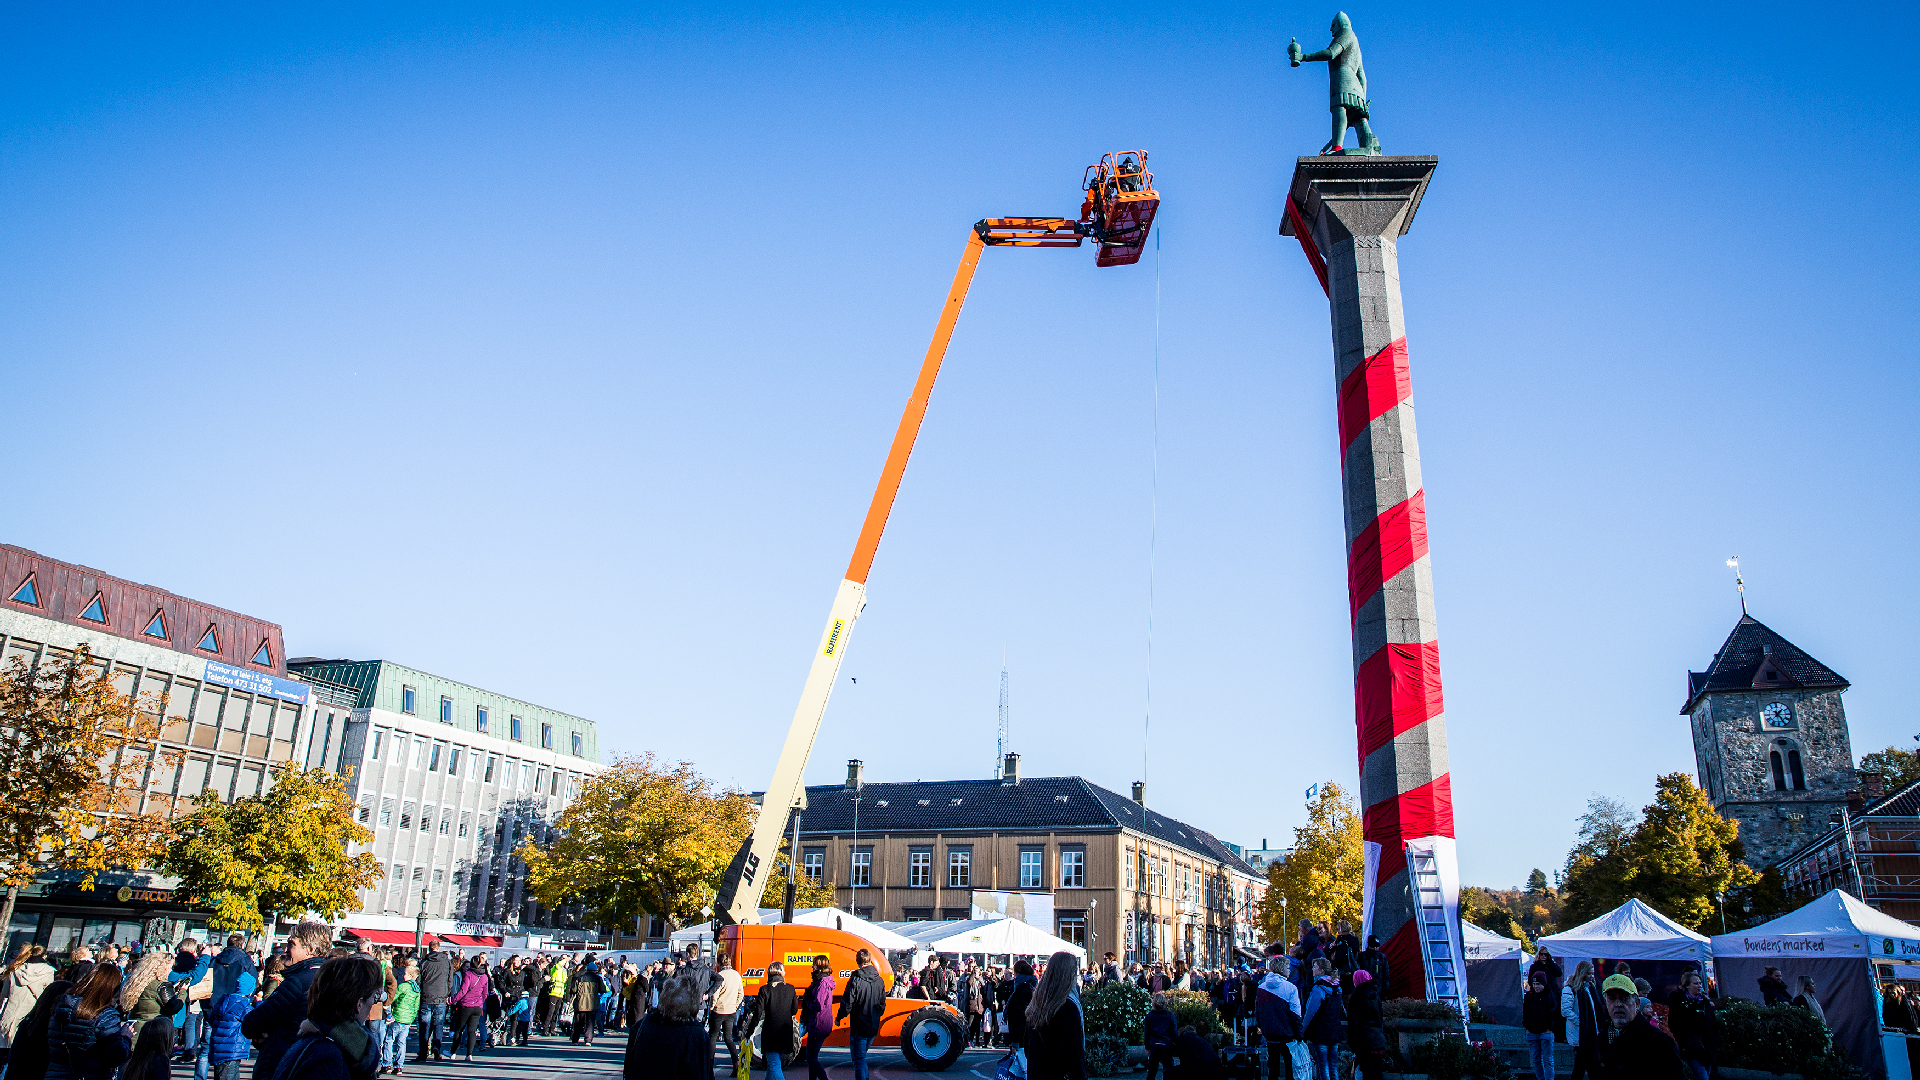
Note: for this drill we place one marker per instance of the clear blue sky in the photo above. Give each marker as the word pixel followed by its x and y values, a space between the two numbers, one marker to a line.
pixel 557 350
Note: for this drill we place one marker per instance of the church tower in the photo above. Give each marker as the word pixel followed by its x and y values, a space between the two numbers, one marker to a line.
pixel 1770 739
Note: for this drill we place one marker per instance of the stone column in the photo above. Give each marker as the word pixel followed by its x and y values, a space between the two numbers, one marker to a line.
pixel 1355 209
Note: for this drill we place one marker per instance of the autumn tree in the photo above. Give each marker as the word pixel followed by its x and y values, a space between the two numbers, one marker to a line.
pixel 1599 866
pixel 1321 877
pixel 1897 768
pixel 1677 859
pixel 285 850
pixel 73 756
pixel 643 838
pixel 807 893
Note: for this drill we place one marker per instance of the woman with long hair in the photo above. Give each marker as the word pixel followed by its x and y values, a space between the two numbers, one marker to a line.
pixel 1056 1032
pixel 83 1034
pixel 145 992
pixel 152 1057
pixel 816 1015
pixel 23 981
pixel 28 1061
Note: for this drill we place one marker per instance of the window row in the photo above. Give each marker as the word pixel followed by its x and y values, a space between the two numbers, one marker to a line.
pixel 403 750
pixel 1160 875
pixel 959 866
pixel 156 626
pixel 425 819
pixel 483 719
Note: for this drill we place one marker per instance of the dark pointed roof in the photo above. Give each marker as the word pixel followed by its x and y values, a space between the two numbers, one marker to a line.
pixel 1751 649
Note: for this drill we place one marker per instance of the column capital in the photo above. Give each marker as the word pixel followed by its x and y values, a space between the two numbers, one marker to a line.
pixel 1354 196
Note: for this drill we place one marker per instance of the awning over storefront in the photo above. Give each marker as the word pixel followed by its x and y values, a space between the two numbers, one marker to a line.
pixel 471 941
pixel 392 937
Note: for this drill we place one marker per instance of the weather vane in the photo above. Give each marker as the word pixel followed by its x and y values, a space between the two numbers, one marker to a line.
pixel 1740 584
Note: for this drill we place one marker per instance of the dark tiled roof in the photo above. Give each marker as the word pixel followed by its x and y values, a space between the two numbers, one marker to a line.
pixel 1738 663
pixel 1902 803
pixel 1034 805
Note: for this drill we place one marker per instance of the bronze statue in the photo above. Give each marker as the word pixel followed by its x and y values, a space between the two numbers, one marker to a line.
pixel 1346 88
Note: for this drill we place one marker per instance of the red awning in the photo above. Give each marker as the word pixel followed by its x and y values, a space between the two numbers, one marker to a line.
pixel 472 942
pixel 390 937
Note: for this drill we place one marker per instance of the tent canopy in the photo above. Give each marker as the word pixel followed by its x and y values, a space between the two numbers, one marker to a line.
pixel 984 936
pixel 1632 931
pixel 1835 925
pixel 876 935
pixel 1482 944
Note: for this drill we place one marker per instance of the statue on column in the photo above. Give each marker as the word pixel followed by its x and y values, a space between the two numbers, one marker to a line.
pixel 1346 88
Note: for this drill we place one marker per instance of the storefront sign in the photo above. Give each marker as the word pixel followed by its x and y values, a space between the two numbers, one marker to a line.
pixel 127 894
pixel 257 682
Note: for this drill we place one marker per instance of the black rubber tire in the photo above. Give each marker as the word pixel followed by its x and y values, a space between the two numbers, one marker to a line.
pixel 932 1040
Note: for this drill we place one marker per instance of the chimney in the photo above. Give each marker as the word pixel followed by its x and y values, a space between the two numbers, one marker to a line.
pixel 1263 843
pixel 1872 784
pixel 853 773
pixel 1140 792
pixel 1010 772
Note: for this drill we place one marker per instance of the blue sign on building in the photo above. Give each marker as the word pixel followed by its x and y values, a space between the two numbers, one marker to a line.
pixel 256 682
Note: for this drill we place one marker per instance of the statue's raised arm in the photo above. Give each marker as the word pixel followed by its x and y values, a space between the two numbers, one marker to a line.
pixel 1346 87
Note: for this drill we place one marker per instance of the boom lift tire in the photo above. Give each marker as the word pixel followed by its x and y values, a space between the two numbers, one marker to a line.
pixel 932 1040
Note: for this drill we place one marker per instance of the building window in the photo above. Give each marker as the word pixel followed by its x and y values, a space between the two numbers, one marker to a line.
pixel 157 626
pixel 26 593
pixel 263 655
pixel 446 822
pixel 446 710
pixel 917 914
pixel 366 808
pixel 464 819
pixel 813 863
pixel 406 816
pixel 862 867
pixel 513 728
pixel 409 700
pixel 959 868
pixel 453 762
pixel 546 736
pixel 386 811
pixel 1031 861
pixel 1788 774
pixel 920 868
pixel 479 718
pixel 555 788
pixel 1073 927
pixel 433 757
pixel 210 641
pixel 1126 863
pixel 491 762
pixel 1073 869
pixel 578 744
pixel 956 914
pixel 419 752
pixel 539 781
pixel 378 737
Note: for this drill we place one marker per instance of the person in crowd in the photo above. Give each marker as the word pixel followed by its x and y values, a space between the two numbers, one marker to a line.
pixel 192 979
pixel 402 1013
pixel 1322 1017
pixel 1198 1059
pixel 862 1005
pixel 276 1021
pixel 1277 1010
pixel 1345 953
pixel 1646 1000
pixel 994 978
pixel 29 1057
pixel 331 1042
pixel 1056 1030
pixel 1540 1015
pixel 1019 996
pixel 469 1004
pixel 1374 960
pixel 226 1047
pixel 1637 1050
pixel 970 999
pixel 669 1043
pixel 25 978
pixel 771 1013
pixel 152 1054
pixel 145 992
pixel 1809 999
pixel 274 972
pixel 83 1034
pixel 1773 988
pixel 1367 1027
pixel 1585 1012
pixel 816 1015
pixel 516 991
pixel 583 993
pixel 436 986
pixel 1160 1029
pixel 1110 970
pixel 698 970
pixel 1692 1020
pixel 1895 1010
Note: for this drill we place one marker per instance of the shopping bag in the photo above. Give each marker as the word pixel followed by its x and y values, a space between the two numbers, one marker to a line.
pixel 1302 1059
pixel 1013 1066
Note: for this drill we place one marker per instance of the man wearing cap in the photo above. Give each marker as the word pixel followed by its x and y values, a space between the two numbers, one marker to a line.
pixel 1638 1051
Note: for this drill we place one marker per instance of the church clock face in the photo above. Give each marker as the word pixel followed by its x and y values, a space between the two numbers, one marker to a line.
pixel 1776 714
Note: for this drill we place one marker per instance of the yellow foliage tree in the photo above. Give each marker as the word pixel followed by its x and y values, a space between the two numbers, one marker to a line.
pixel 285 850
pixel 806 892
pixel 73 755
pixel 1321 877
pixel 643 838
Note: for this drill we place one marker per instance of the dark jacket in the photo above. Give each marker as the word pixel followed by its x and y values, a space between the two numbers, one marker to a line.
pixel 1773 991
pixel 1323 1012
pixel 863 1003
pixel 1161 1028
pixel 1594 1024
pixel 28 1059
pixel 276 1020
pixel 83 1049
pixel 1018 999
pixel 1695 1026
pixel 1548 966
pixel 662 1049
pixel 586 990
pixel 1345 955
pixel 232 962
pixel 1540 1011
pixel 345 1053
pixel 1641 1051
pixel 436 979
pixel 1198 1059
pixel 1058 1051
pixel 773 1010
pixel 1375 963
pixel 224 1017
pixel 1366 1024
pixel 1273 1012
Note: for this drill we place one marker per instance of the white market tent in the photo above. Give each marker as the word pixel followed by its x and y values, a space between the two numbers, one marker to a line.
pixel 1834 941
pixel 1632 931
pixel 886 941
pixel 984 936
pixel 1494 972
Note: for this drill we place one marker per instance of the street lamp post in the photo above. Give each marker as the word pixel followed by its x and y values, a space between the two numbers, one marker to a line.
pixel 420 926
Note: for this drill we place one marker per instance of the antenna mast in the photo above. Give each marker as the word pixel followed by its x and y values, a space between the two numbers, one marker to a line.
pixel 1000 759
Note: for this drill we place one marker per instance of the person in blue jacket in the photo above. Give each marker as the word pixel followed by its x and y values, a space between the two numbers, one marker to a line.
pixel 1276 1008
pixel 228 1049
pixel 276 1021
pixel 83 1034
pixel 1324 1017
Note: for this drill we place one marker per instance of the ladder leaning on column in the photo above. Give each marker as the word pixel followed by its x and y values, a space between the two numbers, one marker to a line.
pixel 1436 934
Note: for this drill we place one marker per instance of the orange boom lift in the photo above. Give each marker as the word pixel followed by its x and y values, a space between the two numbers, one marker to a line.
pixel 1117 215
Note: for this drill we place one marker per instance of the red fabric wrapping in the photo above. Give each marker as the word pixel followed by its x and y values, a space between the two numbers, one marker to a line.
pixel 1389 544
pixel 1409 980
pixel 1305 235
pixel 1378 384
pixel 1424 811
pixel 1396 689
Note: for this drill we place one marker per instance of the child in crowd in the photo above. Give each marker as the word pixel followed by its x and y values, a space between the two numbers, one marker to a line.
pixel 230 1049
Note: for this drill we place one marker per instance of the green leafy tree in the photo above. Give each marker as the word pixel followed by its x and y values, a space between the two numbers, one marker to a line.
pixel 1537 882
pixel 643 838
pixel 1321 877
pixel 284 850
pixel 1677 858
pixel 806 892
pixel 1599 871
pixel 1897 768
pixel 73 757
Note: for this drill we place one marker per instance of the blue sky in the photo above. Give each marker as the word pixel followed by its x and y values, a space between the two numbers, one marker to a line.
pixel 557 349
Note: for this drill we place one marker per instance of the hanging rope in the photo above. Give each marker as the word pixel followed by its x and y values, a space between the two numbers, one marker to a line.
pixel 1153 532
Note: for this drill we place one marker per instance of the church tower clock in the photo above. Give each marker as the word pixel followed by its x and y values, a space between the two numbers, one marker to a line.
pixel 1770 739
